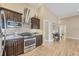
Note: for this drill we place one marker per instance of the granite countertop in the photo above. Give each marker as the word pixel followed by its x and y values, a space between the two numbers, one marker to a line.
pixel 34 35
pixel 13 36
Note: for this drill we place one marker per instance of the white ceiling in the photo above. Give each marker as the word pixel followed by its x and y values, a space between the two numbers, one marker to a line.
pixel 64 9
pixel 61 9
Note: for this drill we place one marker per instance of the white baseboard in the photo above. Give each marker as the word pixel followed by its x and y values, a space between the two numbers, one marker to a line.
pixel 48 40
pixel 74 38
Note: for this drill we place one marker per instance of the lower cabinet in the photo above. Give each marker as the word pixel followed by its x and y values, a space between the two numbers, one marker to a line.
pixel 14 47
pixel 39 40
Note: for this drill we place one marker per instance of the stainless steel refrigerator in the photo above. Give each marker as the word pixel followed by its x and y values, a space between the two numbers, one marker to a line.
pixel 2 36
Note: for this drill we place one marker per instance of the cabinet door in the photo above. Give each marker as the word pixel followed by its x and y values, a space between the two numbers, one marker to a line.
pixel 12 16
pixel 20 46
pixel 38 23
pixel 38 40
pixel 9 15
pixel 6 14
pixel 14 47
pixel 17 17
pixel 35 23
pixel 9 48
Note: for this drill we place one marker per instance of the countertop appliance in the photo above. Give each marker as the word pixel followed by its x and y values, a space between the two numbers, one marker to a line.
pixel 13 24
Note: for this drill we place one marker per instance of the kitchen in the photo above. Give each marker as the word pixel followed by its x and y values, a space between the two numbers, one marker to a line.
pixel 17 40
pixel 24 27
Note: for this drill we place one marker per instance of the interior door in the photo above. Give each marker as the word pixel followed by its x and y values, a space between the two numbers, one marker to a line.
pixel 49 28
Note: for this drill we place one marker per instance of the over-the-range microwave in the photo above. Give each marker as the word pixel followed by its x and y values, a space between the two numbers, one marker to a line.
pixel 13 24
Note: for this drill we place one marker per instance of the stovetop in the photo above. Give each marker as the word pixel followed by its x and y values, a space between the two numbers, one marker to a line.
pixel 26 34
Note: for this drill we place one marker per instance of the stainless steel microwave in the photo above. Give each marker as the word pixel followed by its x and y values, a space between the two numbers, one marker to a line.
pixel 13 24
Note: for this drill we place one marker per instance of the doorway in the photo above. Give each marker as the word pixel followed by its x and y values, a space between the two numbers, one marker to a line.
pixel 49 27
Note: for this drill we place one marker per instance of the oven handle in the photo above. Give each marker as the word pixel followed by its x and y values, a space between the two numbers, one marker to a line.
pixel 30 39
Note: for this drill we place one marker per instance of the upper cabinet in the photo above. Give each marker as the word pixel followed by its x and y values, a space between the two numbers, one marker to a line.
pixel 35 23
pixel 9 15
pixel 10 18
pixel 17 17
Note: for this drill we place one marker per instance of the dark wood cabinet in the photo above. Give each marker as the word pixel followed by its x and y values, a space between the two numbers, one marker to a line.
pixel 35 23
pixel 17 17
pixel 14 47
pixel 20 46
pixel 10 16
pixel 39 40
pixel 9 48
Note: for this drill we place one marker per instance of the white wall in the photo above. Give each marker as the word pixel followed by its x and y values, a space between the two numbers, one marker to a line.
pixel 48 16
pixel 72 27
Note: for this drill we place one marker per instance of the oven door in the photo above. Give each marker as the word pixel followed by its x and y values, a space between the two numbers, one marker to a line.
pixel 28 43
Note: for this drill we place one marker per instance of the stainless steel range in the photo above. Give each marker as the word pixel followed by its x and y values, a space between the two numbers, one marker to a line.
pixel 29 43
